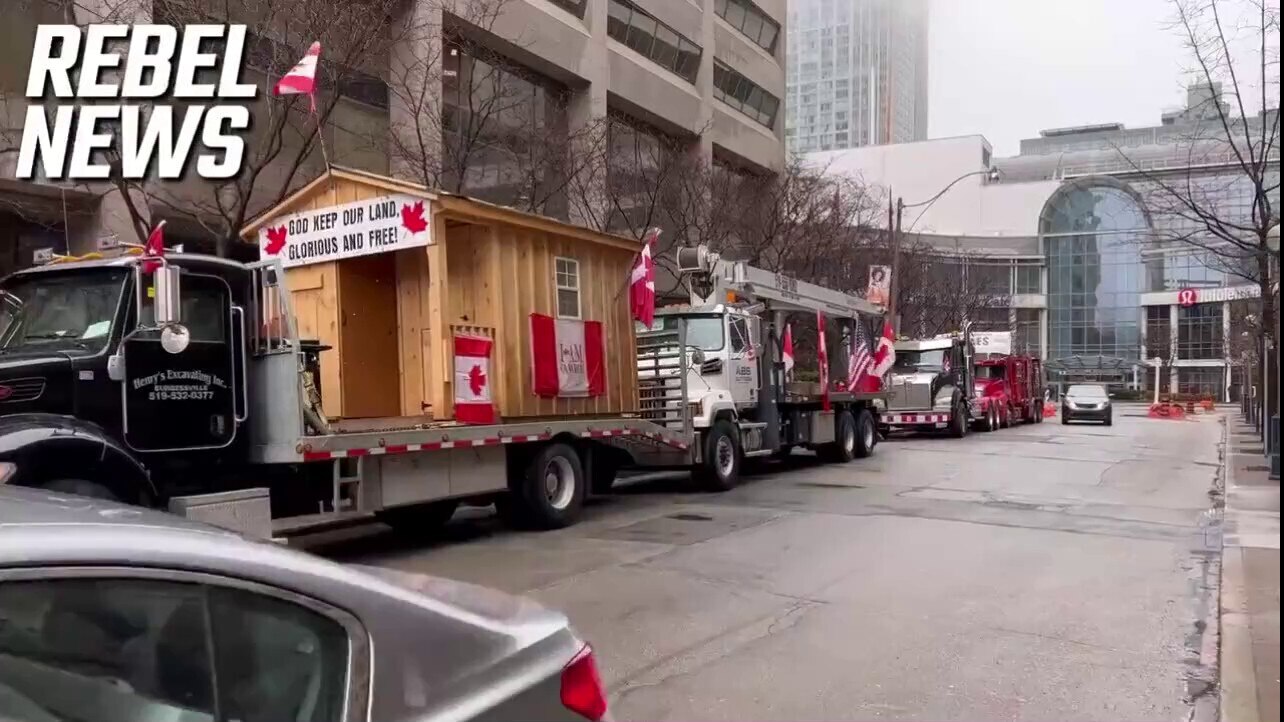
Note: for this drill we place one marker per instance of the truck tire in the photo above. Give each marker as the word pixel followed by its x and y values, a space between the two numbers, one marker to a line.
pixel 550 490
pixel 959 421
pixel 866 434
pixel 419 519
pixel 720 469
pixel 843 449
pixel 80 487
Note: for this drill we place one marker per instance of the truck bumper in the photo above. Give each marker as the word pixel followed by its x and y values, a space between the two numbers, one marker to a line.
pixel 922 418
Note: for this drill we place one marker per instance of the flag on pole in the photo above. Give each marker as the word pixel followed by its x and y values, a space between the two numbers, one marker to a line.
pixel 154 249
pixel 860 357
pixel 885 351
pixel 787 352
pixel 822 355
pixel 302 78
pixel 642 282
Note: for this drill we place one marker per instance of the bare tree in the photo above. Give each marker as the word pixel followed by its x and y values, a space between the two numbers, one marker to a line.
pixel 1224 198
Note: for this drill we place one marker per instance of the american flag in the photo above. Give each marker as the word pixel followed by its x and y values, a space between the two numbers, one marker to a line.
pixel 860 360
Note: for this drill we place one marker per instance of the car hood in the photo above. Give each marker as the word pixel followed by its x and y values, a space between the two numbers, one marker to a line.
pixel 492 605
pixel 912 377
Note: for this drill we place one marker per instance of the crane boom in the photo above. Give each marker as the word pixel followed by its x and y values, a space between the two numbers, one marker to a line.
pixel 712 277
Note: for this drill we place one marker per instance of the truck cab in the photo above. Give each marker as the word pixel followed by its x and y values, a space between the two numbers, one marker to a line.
pixel 932 384
pixel 717 354
pixel 92 385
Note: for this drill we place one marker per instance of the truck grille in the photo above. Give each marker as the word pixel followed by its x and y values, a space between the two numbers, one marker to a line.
pixel 660 375
pixel 21 390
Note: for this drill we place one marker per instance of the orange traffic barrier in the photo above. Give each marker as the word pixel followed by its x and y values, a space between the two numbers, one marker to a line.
pixel 1049 409
pixel 1166 411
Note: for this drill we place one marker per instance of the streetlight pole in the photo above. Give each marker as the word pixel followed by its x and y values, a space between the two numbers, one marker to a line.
pixel 895 211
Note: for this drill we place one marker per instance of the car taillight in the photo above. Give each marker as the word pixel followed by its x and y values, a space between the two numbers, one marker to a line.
pixel 582 691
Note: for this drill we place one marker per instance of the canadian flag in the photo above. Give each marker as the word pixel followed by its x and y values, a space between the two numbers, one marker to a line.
pixel 642 282
pixel 154 249
pixel 787 351
pixel 302 78
pixel 885 351
pixel 473 404
pixel 822 355
pixel 569 357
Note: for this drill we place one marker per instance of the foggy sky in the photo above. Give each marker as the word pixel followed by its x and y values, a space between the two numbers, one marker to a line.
pixel 1009 68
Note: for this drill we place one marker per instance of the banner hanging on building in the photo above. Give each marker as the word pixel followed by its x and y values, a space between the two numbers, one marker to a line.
pixel 880 285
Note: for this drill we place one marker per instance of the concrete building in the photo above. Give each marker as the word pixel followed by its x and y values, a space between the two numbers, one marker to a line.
pixel 857 73
pixel 706 75
pixel 1089 276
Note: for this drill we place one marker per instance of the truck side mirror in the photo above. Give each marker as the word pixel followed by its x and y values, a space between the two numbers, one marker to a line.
pixel 116 367
pixel 167 303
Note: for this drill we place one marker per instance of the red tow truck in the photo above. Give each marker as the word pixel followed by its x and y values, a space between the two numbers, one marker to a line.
pixel 1008 386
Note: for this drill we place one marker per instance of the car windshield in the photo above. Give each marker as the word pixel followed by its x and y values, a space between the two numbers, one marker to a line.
pixel 989 372
pixel 1086 392
pixel 933 360
pixel 704 332
pixel 69 312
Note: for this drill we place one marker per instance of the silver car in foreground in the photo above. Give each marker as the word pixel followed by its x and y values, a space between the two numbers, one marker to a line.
pixel 117 614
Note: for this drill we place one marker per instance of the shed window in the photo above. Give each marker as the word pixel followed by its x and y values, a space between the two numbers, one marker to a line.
pixel 567 277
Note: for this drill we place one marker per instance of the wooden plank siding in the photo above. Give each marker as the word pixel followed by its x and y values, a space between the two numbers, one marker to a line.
pixel 389 318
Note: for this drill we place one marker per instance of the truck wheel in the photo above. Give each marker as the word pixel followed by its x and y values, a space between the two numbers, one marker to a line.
pixel 419 519
pixel 958 421
pixel 80 487
pixel 846 440
pixel 550 492
pixel 720 470
pixel 866 434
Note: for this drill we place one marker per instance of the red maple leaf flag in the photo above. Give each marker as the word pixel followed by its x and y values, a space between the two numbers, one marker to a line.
pixel 642 282
pixel 302 78
pixel 885 351
pixel 412 217
pixel 473 400
pixel 154 249
pixel 822 355
pixel 787 351
pixel 476 380
pixel 275 240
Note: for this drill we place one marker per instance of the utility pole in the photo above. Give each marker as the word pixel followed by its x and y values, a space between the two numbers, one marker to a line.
pixel 894 209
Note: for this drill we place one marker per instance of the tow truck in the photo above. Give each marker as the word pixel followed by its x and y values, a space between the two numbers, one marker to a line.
pixel 92 350
pixel 1009 386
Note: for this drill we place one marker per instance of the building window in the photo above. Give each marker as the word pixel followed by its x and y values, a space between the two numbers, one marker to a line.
pixel 744 95
pixel 1202 382
pixel 1093 233
pixel 1159 343
pixel 750 20
pixel 567 278
pixel 1199 332
pixel 1025 340
pixel 661 44
pixel 574 7
pixel 1028 278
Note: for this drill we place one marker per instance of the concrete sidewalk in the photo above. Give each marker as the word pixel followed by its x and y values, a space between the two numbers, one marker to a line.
pixel 1250 589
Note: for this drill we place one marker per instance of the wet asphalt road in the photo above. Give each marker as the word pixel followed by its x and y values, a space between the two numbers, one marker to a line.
pixel 1040 572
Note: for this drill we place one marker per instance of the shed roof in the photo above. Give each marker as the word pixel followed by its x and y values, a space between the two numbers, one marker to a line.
pixel 450 204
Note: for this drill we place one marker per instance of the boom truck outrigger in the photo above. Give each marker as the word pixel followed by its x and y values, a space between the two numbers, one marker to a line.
pixel 188 387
